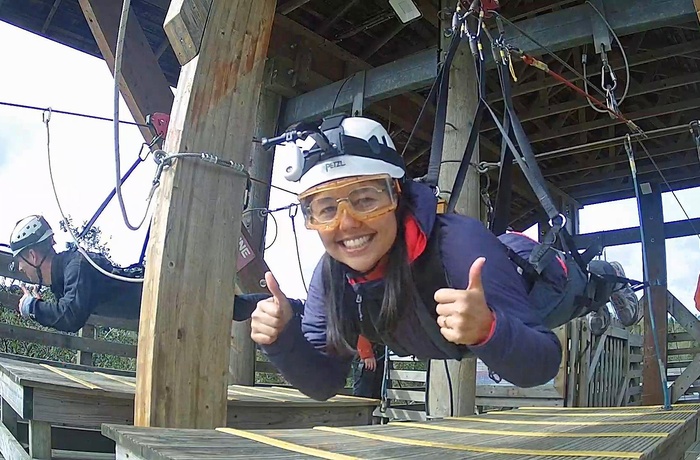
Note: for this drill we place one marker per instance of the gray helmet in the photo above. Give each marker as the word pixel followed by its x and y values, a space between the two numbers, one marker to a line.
pixel 29 232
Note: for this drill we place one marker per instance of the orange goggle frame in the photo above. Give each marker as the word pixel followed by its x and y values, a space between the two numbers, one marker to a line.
pixel 313 221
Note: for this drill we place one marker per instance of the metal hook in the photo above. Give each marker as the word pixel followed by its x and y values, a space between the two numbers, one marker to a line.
pixel 46 118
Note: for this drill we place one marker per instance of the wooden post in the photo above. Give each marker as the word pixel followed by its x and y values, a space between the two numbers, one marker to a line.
pixel 652 223
pixel 85 357
pixel 242 359
pixel 183 355
pixel 461 105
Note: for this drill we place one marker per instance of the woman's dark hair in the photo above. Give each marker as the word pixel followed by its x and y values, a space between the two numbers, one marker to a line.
pixel 399 290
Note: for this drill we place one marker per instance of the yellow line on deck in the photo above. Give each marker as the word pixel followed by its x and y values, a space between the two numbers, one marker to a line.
pixel 117 379
pixel 356 398
pixel 578 414
pixel 278 393
pixel 557 408
pixel 287 445
pixel 558 422
pixel 481 449
pixel 531 434
pixel 70 377
pixel 254 395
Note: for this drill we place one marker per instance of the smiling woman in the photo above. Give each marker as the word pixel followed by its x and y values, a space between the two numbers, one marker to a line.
pixel 435 286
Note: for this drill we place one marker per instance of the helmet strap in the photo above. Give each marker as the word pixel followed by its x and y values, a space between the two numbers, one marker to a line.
pixel 37 268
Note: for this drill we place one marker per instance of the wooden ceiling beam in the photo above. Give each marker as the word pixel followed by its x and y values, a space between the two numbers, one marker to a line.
pixel 605 121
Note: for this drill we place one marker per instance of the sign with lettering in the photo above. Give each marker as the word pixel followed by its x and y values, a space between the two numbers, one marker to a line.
pixel 245 253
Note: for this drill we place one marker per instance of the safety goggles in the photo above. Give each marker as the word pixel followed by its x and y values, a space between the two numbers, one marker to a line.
pixel 364 198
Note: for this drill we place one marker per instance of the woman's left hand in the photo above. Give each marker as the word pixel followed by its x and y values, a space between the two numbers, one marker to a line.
pixel 463 315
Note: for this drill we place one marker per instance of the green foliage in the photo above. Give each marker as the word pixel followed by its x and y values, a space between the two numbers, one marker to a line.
pixel 92 241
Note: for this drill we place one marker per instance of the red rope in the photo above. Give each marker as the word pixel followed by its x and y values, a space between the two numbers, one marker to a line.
pixel 529 60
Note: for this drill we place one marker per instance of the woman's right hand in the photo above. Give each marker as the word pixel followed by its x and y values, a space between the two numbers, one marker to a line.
pixel 271 315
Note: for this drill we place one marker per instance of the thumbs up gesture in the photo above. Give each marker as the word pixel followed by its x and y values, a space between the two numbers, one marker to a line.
pixel 271 315
pixel 463 315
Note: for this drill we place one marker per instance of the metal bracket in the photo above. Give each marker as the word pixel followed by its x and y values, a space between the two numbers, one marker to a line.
pixel 601 33
pixel 359 93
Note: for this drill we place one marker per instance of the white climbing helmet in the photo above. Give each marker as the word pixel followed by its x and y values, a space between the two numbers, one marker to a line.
pixel 342 147
pixel 28 232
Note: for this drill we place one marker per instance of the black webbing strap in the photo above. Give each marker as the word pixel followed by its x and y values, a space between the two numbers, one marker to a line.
pixel 431 178
pixel 472 141
pixel 525 158
pixel 501 215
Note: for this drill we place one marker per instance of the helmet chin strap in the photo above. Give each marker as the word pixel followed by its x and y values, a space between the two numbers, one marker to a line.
pixel 37 268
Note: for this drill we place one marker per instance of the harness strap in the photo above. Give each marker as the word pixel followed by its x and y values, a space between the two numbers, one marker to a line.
pixel 501 215
pixel 472 141
pixel 430 272
pixel 431 178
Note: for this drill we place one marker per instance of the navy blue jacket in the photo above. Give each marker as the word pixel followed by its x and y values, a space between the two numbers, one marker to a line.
pixel 521 350
pixel 81 291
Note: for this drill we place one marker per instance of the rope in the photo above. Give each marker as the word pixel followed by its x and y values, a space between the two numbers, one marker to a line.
pixel 63 112
pixel 46 120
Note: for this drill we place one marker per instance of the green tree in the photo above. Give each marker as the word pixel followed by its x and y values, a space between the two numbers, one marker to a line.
pixel 91 241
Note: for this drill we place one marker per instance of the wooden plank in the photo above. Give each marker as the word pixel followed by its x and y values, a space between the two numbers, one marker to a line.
pixel 401 414
pixel 67 341
pixel 143 85
pixel 654 261
pixel 685 380
pixel 16 396
pixel 85 357
pixel 518 402
pixel 685 318
pixel 408 376
pixel 406 395
pixel 10 448
pixel 39 440
pixel 557 432
pixel 508 391
pixel 184 26
pixel 194 236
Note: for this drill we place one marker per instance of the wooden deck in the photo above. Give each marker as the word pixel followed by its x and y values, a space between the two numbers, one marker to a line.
pixel 47 396
pixel 532 433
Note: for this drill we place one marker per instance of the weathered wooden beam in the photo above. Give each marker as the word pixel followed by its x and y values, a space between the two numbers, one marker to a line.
pixel 182 363
pixel 50 16
pixel 143 85
pixel 184 25
pixel 582 167
pixel 604 122
pixel 291 5
pixel 654 260
pixel 560 30
pixel 689 160
pixel 667 52
pixel 578 103
pixel 452 386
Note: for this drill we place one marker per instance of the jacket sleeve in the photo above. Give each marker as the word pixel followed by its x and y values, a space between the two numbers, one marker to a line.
pixel 364 348
pixel 300 352
pixel 520 349
pixel 73 309
pixel 245 304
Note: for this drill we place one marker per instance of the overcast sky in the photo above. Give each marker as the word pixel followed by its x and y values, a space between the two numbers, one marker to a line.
pixel 42 73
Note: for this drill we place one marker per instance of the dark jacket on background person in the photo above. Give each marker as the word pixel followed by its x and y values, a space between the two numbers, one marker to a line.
pixel 81 291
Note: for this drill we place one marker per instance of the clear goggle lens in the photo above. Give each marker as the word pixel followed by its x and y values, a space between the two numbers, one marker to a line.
pixel 364 199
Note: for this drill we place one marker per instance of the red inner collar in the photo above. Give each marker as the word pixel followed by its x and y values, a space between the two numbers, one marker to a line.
pixel 416 241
